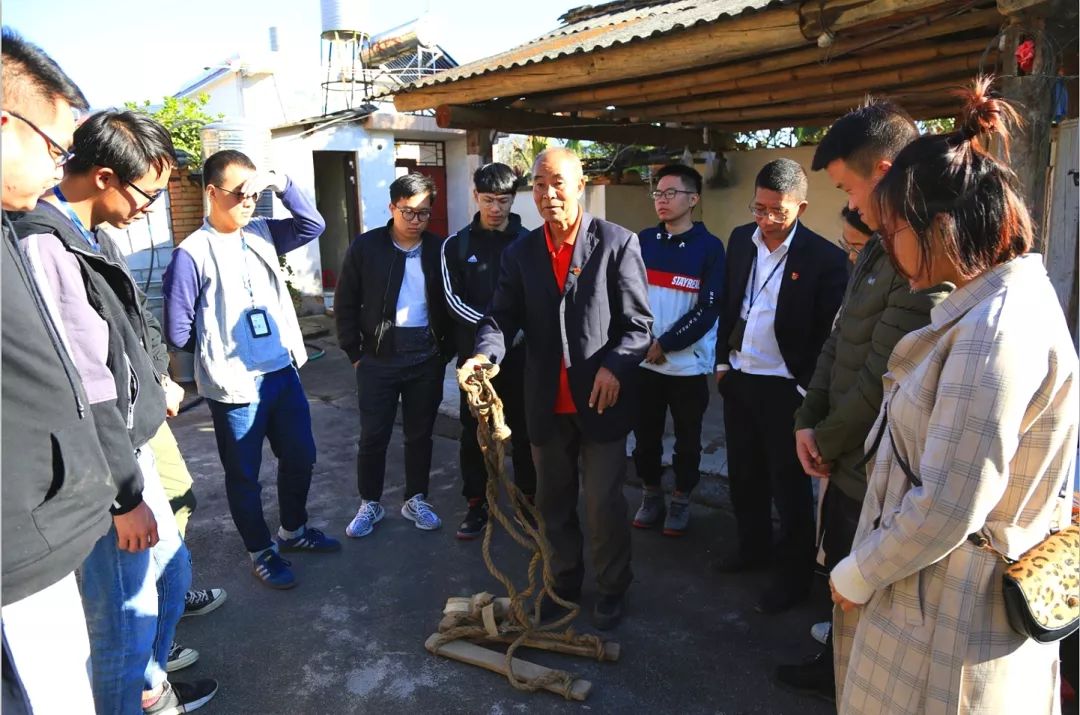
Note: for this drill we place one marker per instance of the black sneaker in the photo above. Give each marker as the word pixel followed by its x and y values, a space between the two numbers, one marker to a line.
pixel 551 611
pixel 608 611
pixel 180 657
pixel 812 677
pixel 180 698
pixel 475 521
pixel 199 603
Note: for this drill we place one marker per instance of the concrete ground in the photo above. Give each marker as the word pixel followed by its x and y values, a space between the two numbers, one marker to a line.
pixel 349 638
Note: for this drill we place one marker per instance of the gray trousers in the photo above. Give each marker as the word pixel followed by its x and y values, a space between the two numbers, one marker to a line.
pixel 602 479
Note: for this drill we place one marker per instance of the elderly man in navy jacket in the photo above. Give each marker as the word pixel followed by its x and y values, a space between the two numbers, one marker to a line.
pixel 587 328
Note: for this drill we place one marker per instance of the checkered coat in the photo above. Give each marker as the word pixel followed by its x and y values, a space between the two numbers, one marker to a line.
pixel 982 404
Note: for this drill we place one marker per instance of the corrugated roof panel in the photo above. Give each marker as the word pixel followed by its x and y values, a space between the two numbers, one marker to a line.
pixel 602 32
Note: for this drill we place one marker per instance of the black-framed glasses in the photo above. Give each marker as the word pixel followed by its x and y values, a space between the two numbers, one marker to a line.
pixel 238 194
pixel 771 215
pixel 848 247
pixel 150 198
pixel 59 154
pixel 668 194
pixel 412 214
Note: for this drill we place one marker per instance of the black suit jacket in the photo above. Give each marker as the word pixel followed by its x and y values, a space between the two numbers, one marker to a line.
pixel 811 289
pixel 601 319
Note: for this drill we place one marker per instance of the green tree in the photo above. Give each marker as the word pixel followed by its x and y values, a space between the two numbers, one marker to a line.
pixel 184 117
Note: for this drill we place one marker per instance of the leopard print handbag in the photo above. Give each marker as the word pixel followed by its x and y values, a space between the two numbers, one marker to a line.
pixel 1042 588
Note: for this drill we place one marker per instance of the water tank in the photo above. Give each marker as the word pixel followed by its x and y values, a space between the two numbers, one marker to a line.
pixel 400 40
pixel 342 19
pixel 251 139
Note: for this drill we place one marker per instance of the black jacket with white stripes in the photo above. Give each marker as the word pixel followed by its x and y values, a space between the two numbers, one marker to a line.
pixel 470 271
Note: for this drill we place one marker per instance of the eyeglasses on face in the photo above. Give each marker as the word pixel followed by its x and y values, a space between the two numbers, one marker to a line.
pixel 769 214
pixel 59 154
pixel 848 247
pixel 150 198
pixel 413 215
pixel 240 196
pixel 668 194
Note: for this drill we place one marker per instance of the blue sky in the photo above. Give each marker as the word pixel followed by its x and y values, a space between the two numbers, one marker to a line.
pixel 121 50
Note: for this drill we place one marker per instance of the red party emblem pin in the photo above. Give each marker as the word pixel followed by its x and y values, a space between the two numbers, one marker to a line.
pixel 576 271
pixel 794 276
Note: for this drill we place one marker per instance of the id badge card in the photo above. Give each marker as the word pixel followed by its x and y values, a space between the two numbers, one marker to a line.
pixel 258 322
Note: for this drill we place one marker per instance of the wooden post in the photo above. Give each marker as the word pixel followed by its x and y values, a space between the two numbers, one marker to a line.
pixel 1043 21
pixel 478 143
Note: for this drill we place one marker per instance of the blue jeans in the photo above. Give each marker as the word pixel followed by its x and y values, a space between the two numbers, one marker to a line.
pixel 133 603
pixel 280 414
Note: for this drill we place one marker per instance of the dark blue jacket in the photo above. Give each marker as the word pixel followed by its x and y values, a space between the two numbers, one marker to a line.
pixel 601 319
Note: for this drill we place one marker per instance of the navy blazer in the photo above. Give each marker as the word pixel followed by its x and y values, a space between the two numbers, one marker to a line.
pixel 601 319
pixel 811 289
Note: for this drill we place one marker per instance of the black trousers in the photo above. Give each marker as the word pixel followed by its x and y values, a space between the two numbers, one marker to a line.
pixel 380 383
pixel 509 384
pixel 759 416
pixel 686 397
pixel 839 520
pixel 602 478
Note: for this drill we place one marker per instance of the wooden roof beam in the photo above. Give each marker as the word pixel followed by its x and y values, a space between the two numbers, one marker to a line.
pixel 764 71
pixel 854 69
pixel 790 91
pixel 547 125
pixel 927 94
pixel 710 43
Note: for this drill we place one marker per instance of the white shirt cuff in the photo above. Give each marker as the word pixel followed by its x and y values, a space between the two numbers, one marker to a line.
pixel 723 368
pixel 849 582
pixel 802 392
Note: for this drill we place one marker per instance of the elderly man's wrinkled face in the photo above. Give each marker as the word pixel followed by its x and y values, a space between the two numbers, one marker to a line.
pixel 557 187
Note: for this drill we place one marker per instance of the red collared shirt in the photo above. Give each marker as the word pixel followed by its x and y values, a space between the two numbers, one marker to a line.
pixel 560 264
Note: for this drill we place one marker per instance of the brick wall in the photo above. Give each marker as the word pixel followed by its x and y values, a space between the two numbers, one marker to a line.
pixel 186 198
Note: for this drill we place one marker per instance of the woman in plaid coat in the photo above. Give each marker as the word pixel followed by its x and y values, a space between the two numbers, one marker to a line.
pixel 981 406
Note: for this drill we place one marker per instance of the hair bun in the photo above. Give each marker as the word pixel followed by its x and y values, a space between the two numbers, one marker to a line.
pixel 985 112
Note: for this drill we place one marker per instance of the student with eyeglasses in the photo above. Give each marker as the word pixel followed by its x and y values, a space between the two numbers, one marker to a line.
pixel 685 267
pixel 393 324
pixel 226 300
pixel 470 271
pixel 104 315
pixel 784 285
pixel 56 481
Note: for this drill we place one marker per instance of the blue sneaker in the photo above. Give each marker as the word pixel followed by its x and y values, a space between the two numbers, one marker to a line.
pixel 419 513
pixel 370 514
pixel 311 540
pixel 273 570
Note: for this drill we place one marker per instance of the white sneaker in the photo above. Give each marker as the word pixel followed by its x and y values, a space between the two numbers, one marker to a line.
pixel 820 631
pixel 370 514
pixel 420 513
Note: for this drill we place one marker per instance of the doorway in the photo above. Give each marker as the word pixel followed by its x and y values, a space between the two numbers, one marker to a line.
pixel 429 159
pixel 337 198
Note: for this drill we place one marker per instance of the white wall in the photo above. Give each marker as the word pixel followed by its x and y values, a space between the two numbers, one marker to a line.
pixel 459 204
pixel 721 209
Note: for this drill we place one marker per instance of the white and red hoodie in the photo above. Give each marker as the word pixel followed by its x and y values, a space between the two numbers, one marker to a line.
pixel 686 282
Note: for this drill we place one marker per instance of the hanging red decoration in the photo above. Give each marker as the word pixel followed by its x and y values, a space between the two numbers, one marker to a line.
pixel 1025 56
